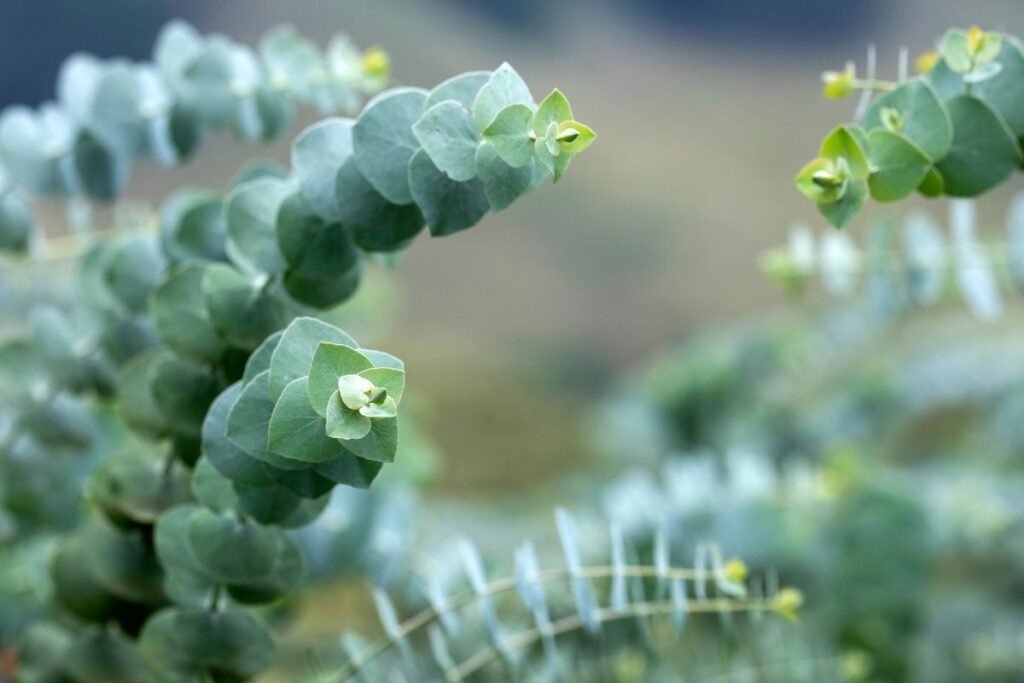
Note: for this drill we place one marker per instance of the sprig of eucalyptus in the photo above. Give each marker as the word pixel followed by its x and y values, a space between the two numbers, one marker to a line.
pixel 954 130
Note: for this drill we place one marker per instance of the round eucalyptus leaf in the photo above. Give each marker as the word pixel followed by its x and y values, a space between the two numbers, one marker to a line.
pixel 462 88
pixel 343 422
pixel 841 212
pixel 222 453
pixel 23 143
pixel 127 337
pixel 266 504
pixel 248 420
pixel 289 570
pixel 898 165
pixel 192 226
pixel 240 310
pixel 925 121
pixel 313 247
pixel 984 152
pixel 251 215
pixel 275 110
pixel 185 130
pixel 323 294
pixel 448 206
pixel 132 487
pixel 305 482
pixel 181 318
pixel 383 141
pixel 374 223
pixel 74 587
pixel 317 154
pixel 56 340
pixel 553 109
pixel 21 366
pixel 350 470
pixel 191 643
pixel 133 270
pixel 61 421
pixel 105 656
pixel 293 356
pixel 184 582
pixel 92 278
pixel 259 360
pixel 381 444
pixel 161 649
pixel 16 223
pixel 229 549
pixel 182 393
pixel 101 172
pixel 42 650
pixel 511 135
pixel 135 392
pixel 503 88
pixel 115 111
pixel 297 431
pixel 447 134
pixel 213 489
pixel 504 184
pixel 125 564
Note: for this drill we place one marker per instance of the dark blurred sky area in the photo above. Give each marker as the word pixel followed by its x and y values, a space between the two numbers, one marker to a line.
pixel 38 34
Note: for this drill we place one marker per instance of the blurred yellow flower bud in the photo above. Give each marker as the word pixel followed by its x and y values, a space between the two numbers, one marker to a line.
pixel 838 84
pixel 376 63
pixel 976 39
pixel 735 570
pixel 926 61
pixel 786 603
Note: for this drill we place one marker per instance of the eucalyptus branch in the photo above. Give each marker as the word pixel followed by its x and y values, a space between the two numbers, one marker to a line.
pixel 206 325
pixel 505 585
pixel 950 131
pixel 574 622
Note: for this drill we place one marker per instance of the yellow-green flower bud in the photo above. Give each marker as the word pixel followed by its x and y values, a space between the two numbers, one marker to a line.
pixel 926 61
pixel 976 39
pixel 786 603
pixel 838 84
pixel 735 570
pixel 376 63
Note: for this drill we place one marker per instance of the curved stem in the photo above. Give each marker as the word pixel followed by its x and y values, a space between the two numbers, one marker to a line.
pixel 575 622
pixel 430 614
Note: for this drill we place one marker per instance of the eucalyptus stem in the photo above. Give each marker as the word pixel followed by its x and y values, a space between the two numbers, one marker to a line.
pixel 574 622
pixel 507 584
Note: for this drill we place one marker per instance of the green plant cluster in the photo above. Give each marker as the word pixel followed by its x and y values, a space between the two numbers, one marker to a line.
pixel 955 130
pixel 109 114
pixel 245 410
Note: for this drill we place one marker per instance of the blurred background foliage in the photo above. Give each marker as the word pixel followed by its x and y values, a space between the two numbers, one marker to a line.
pixel 616 350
